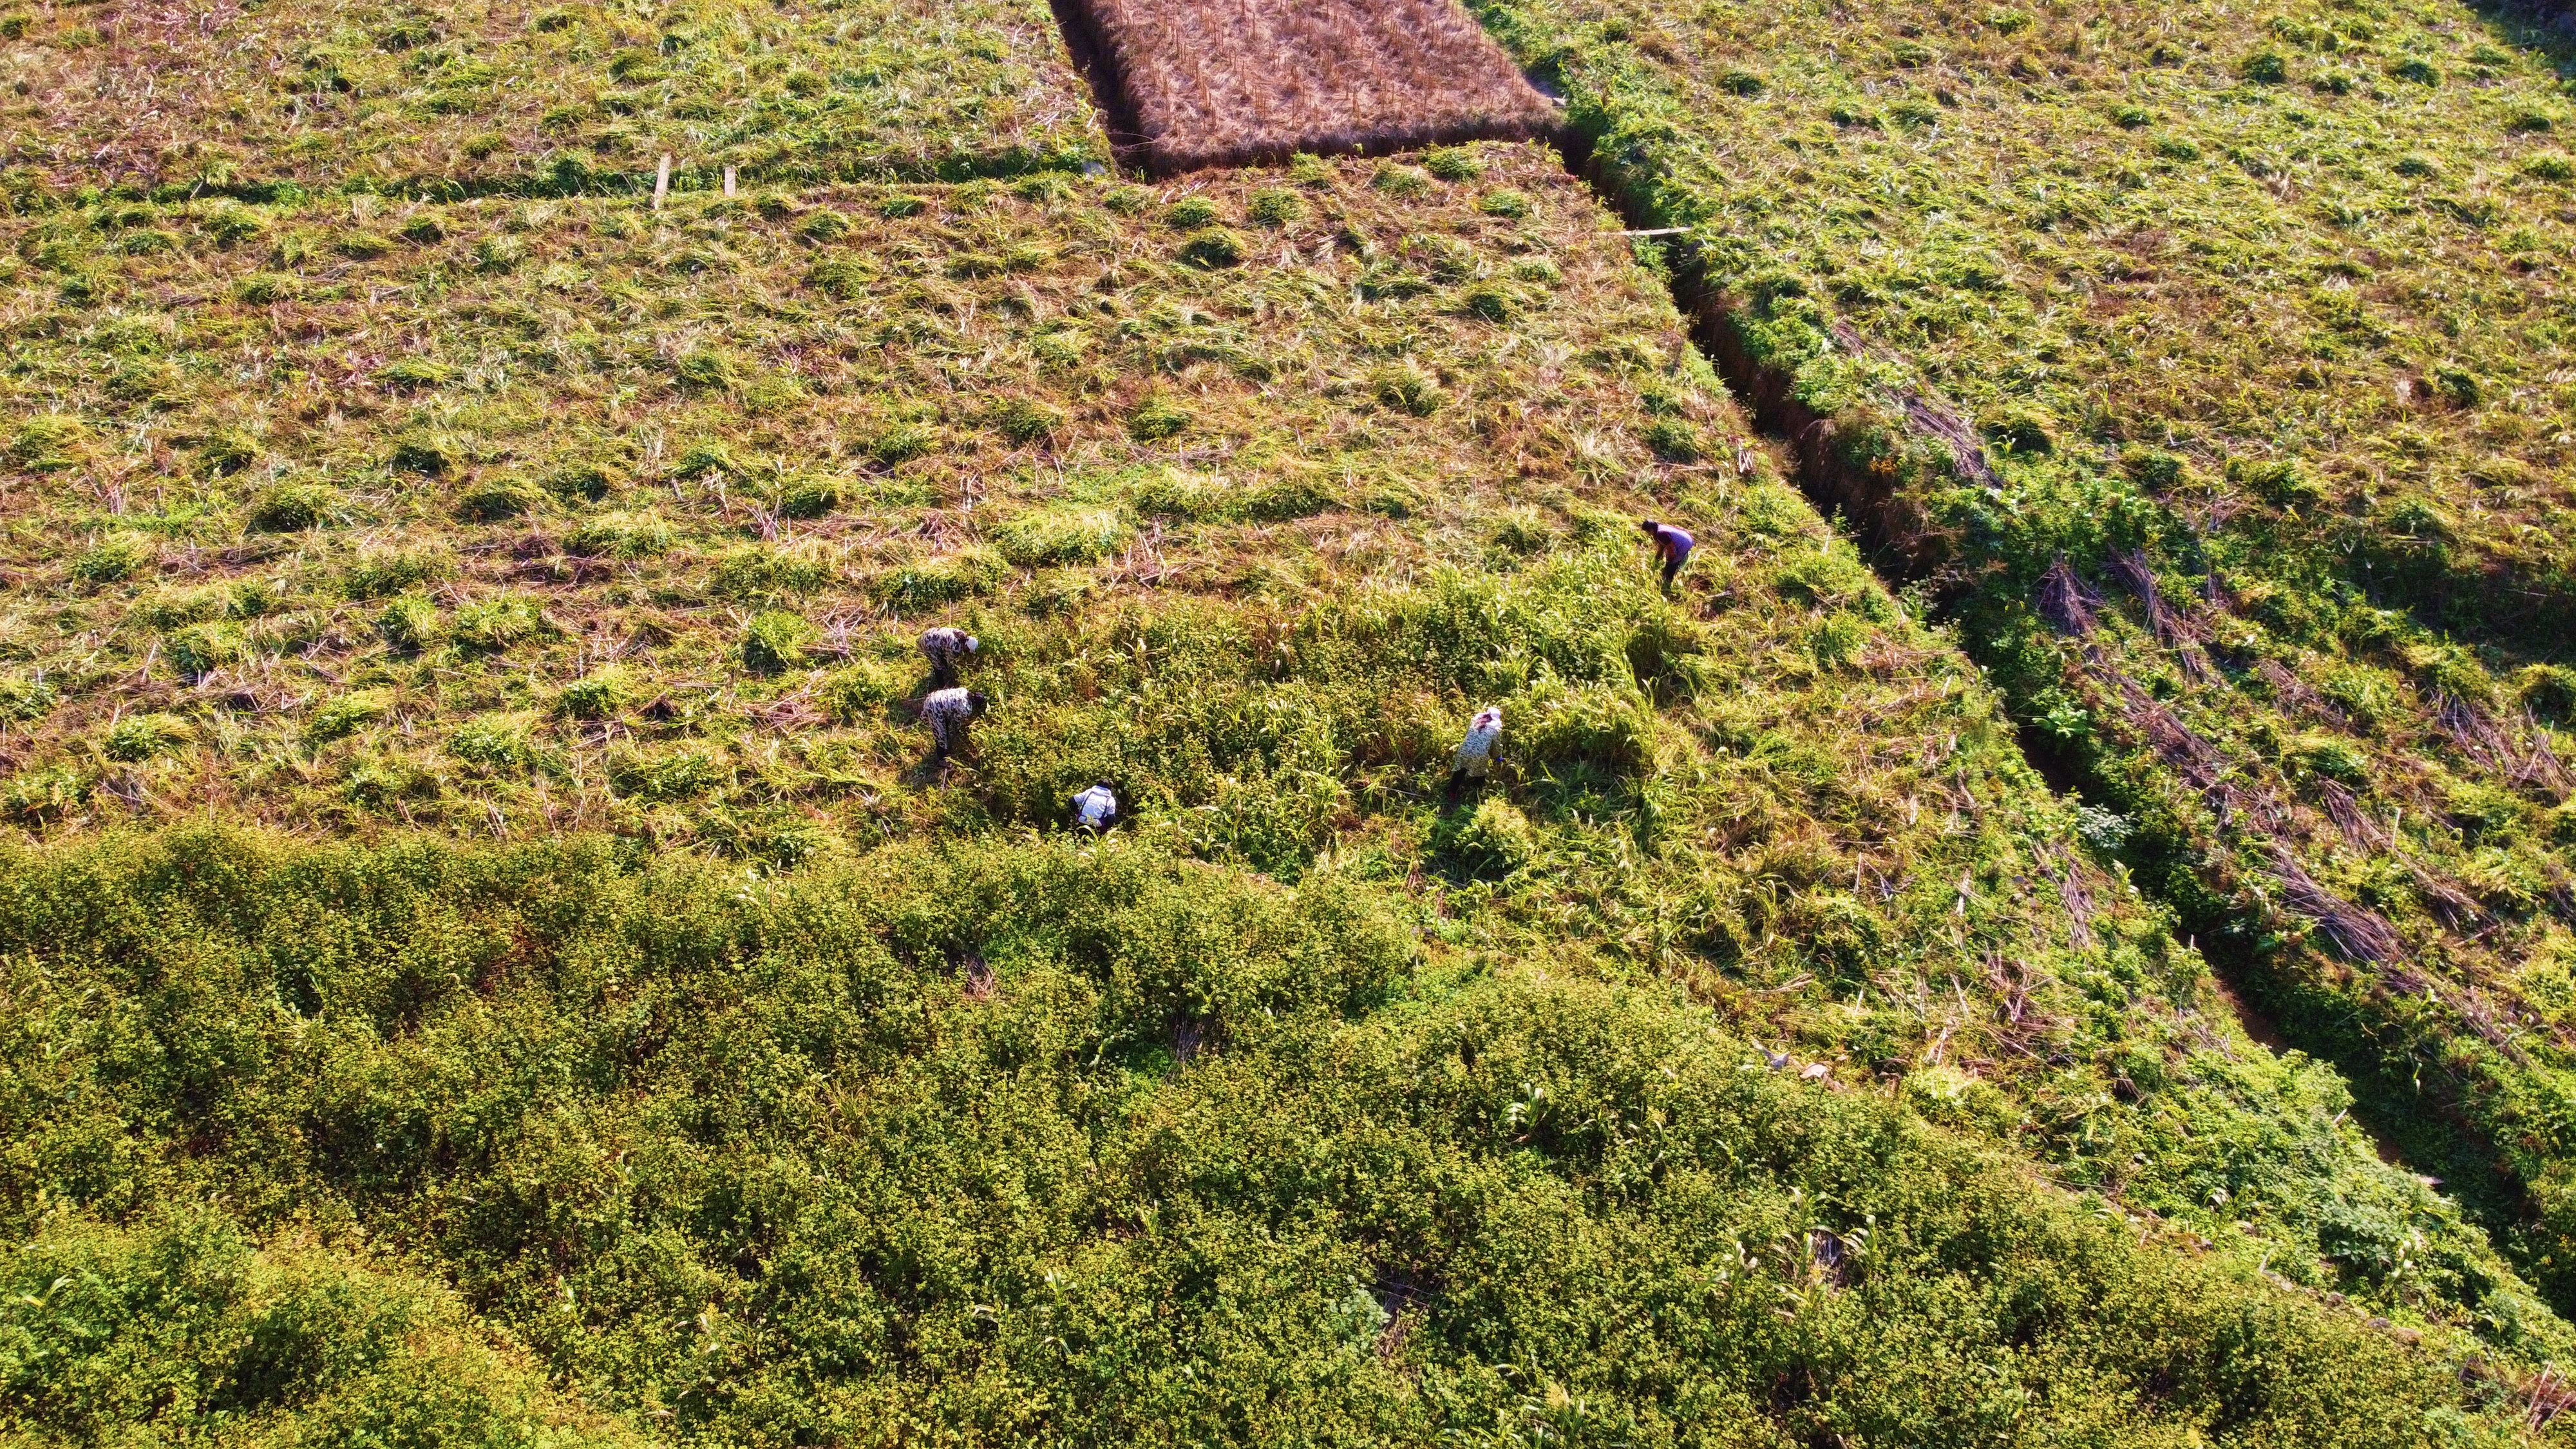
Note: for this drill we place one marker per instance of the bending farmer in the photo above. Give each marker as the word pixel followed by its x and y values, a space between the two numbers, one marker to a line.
pixel 1672 545
pixel 947 648
pixel 1476 752
pixel 947 712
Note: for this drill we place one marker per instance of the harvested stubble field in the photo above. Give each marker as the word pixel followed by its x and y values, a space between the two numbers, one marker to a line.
pixel 467 97
pixel 882 1103
pixel 2207 365
pixel 1227 82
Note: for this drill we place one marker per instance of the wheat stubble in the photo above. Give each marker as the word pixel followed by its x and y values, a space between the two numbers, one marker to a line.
pixel 1229 82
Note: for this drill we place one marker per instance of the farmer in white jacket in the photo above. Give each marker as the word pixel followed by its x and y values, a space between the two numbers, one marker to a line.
pixel 1095 808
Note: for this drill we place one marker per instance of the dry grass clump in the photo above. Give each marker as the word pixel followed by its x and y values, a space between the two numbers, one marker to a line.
pixel 1225 83
pixel 471 96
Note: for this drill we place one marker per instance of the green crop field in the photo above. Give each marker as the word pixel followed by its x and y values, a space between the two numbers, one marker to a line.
pixel 2250 315
pixel 488 956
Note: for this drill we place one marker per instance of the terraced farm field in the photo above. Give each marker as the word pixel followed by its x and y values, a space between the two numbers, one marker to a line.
pixel 2205 364
pixel 471 99
pixel 491 954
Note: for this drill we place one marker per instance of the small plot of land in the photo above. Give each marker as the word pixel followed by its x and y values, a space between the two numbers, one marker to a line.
pixel 2254 314
pixel 1215 83
pixel 471 97
pixel 585 434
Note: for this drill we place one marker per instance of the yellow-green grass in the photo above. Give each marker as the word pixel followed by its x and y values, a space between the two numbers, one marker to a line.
pixel 572 516
pixel 183 1325
pixel 2244 308
pixel 2313 252
pixel 1011 1138
pixel 471 98
pixel 577 439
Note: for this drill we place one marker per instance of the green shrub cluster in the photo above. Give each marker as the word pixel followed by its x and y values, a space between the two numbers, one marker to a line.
pixel 1003 1138
pixel 180 1328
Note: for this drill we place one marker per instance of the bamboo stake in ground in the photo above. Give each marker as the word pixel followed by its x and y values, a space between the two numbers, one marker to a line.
pixel 662 183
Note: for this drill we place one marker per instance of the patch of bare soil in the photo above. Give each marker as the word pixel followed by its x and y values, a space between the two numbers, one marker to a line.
pixel 1232 82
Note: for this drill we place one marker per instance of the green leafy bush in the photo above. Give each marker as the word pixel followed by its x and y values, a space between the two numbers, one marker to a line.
pixel 1060 535
pixel 635 535
pixel 1134 1043
pixel 113 559
pixel 773 641
pixel 294 507
pixel 595 696
pixel 1213 247
pixel 345 715
pixel 139 737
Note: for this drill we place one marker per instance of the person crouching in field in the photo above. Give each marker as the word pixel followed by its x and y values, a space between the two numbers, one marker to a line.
pixel 947 648
pixel 1672 545
pixel 1475 755
pixel 947 712
pixel 1096 809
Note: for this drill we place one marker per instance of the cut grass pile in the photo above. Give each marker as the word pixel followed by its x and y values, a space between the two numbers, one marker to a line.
pixel 1013 1138
pixel 2249 315
pixel 1226 82
pixel 452 99
pixel 549 518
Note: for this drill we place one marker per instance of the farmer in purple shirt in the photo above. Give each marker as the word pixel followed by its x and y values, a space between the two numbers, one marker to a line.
pixel 1672 545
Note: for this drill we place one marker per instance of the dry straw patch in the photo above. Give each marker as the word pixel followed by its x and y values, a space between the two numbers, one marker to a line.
pixel 582 437
pixel 1216 84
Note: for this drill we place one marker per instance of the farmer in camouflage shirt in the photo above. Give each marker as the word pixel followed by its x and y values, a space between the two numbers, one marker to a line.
pixel 1476 752
pixel 947 648
pixel 947 712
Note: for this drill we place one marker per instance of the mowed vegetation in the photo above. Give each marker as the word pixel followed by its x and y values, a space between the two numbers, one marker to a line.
pixel 443 533
pixel 1781 1004
pixel 446 100
pixel 2206 364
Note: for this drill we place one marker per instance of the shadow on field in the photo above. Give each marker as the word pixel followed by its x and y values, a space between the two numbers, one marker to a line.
pixel 2543 28
pixel 1098 67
